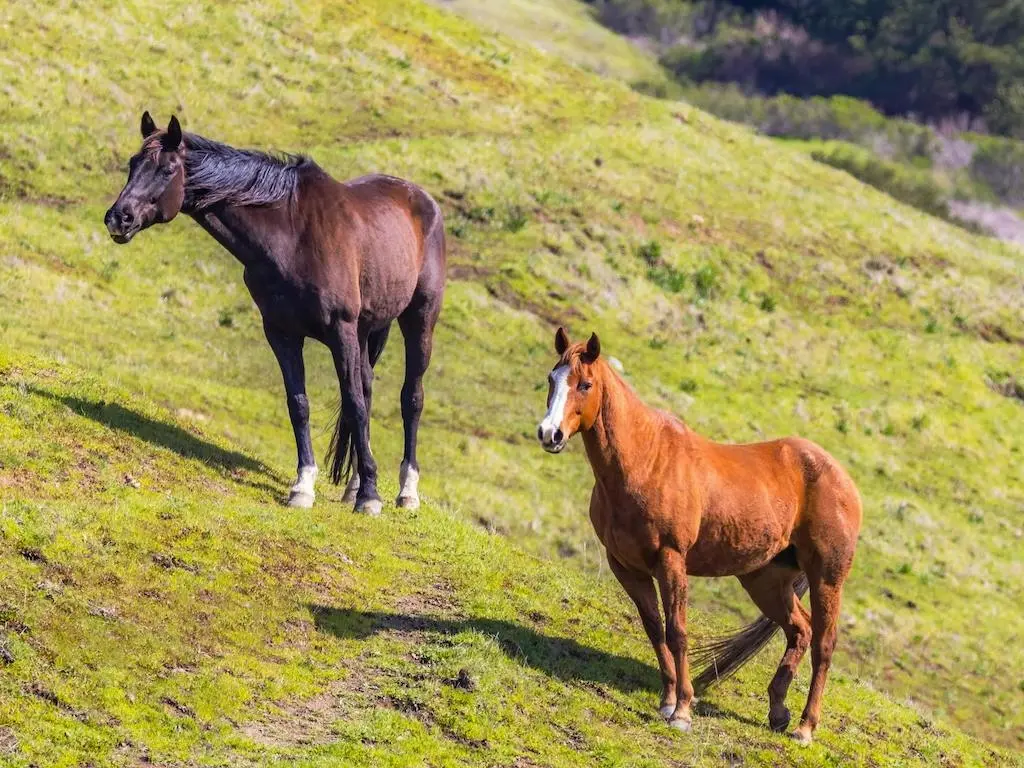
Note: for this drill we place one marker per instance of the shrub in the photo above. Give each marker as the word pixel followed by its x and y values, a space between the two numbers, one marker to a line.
pixel 650 252
pixel 836 118
pixel 999 164
pixel 667 278
pixel 916 188
pixel 705 280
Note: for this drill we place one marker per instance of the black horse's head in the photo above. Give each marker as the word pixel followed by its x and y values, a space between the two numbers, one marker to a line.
pixel 155 188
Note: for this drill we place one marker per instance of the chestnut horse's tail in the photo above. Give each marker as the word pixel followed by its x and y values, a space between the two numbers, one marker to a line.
pixel 721 656
pixel 341 451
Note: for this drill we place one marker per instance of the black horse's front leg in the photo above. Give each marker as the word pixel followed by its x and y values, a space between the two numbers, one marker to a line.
pixel 288 350
pixel 353 430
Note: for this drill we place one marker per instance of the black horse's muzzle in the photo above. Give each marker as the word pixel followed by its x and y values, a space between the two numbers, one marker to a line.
pixel 121 223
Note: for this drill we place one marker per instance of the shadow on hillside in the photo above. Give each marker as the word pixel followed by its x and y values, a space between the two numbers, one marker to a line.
pixel 162 434
pixel 558 657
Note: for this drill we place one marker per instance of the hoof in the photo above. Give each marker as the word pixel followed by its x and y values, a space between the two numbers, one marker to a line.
pixel 802 736
pixel 300 500
pixel 780 723
pixel 371 507
pixel 351 490
pixel 681 725
pixel 408 502
pixel 667 710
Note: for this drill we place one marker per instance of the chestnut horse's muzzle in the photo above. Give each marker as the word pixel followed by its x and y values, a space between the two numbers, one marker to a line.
pixel 553 440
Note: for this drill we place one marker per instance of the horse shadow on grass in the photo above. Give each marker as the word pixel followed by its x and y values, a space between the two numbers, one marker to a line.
pixel 169 436
pixel 558 657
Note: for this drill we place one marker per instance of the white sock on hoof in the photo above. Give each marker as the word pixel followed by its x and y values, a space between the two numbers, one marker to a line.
pixel 409 479
pixel 303 490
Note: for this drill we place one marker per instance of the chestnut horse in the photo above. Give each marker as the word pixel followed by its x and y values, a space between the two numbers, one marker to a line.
pixel 336 262
pixel 668 504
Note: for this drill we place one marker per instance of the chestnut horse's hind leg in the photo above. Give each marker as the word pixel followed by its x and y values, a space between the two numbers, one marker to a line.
pixel 771 589
pixel 672 582
pixel 826 595
pixel 417 324
pixel 348 354
pixel 288 351
pixel 640 588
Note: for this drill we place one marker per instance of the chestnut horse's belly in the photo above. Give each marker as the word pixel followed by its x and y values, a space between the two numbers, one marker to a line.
pixel 735 543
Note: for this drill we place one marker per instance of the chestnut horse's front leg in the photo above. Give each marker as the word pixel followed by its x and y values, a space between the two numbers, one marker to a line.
pixel 640 588
pixel 671 573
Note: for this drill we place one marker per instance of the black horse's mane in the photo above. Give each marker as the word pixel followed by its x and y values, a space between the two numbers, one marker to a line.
pixel 217 173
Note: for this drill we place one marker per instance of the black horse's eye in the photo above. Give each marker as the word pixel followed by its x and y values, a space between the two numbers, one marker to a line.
pixel 584 386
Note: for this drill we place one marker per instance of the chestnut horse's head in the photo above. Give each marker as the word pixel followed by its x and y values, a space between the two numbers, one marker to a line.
pixel 573 392
pixel 155 188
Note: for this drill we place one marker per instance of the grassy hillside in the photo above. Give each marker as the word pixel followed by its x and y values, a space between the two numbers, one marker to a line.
pixel 160 608
pixel 164 607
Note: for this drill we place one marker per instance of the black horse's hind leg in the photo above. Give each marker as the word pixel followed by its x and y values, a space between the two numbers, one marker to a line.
pixel 370 354
pixel 417 324
pixel 288 351
pixel 354 420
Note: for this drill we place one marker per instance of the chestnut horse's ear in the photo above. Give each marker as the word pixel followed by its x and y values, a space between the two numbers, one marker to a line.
pixel 172 139
pixel 148 127
pixel 593 349
pixel 561 340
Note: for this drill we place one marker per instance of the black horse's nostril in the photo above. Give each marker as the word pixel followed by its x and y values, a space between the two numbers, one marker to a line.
pixel 540 433
pixel 558 435
pixel 127 217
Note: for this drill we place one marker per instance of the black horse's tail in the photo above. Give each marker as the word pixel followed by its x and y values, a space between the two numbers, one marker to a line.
pixel 721 656
pixel 341 451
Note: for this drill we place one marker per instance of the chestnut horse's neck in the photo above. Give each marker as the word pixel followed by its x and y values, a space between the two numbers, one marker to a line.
pixel 618 443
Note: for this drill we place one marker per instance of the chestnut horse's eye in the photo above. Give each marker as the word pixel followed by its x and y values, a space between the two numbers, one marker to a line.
pixel 584 386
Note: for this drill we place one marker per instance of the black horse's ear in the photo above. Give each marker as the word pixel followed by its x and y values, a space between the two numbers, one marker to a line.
pixel 593 349
pixel 148 127
pixel 561 340
pixel 172 139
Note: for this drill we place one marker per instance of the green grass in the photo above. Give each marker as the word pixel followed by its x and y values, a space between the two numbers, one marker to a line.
pixel 193 621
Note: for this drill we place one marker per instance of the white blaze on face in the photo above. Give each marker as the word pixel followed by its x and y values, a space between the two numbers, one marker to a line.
pixel 556 409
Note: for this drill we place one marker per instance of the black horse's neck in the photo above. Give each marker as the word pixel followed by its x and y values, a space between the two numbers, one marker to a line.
pixel 243 198
pixel 257 237
pixel 216 173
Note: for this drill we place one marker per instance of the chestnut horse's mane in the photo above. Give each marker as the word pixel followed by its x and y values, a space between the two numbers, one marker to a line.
pixel 216 173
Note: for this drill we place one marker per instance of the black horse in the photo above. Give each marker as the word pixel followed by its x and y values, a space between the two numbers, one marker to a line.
pixel 336 262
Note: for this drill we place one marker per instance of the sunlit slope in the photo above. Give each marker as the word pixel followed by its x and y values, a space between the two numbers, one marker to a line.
pixel 160 607
pixel 747 288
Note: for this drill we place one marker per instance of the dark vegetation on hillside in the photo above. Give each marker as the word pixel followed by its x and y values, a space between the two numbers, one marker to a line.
pixel 920 87
pixel 937 60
